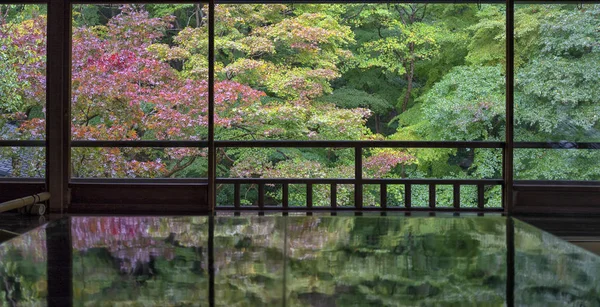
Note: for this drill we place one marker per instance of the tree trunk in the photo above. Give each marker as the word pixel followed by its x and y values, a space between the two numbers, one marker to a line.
pixel 198 16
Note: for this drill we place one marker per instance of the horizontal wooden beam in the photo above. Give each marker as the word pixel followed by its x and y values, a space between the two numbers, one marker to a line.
pixel 138 198
pixel 556 199
pixel 360 144
pixel 10 190
pixel 369 209
pixel 139 143
pixel 423 181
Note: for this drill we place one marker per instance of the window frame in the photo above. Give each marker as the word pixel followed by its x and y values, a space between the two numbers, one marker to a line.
pixel 517 195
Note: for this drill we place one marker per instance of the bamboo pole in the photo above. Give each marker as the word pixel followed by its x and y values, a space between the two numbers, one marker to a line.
pixel 33 201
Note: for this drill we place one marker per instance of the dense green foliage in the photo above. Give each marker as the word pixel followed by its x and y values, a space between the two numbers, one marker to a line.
pixel 313 72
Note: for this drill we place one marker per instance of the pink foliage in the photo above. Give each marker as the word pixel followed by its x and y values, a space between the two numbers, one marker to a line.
pixel 383 162
pixel 128 92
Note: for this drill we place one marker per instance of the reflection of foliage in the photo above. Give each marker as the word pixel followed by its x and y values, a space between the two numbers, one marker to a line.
pixel 304 261
pixel 347 260
pixel 162 258
pixel 551 272
pixel 338 261
pixel 23 270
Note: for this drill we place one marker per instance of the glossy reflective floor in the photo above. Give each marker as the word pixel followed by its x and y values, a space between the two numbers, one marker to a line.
pixel 295 261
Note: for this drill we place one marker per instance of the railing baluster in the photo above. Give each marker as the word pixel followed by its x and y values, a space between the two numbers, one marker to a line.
pixel 383 195
pixel 236 195
pixel 285 193
pixel 432 196
pixel 407 195
pixel 309 195
pixel 261 195
pixel 456 196
pixel 358 188
pixel 480 196
pixel 333 195
pixel 261 201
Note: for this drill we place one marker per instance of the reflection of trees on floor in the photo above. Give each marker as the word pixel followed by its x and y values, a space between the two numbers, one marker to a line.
pixel 307 261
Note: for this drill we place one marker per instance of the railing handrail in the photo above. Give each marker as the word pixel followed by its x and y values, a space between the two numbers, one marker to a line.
pixel 309 144
pixel 424 181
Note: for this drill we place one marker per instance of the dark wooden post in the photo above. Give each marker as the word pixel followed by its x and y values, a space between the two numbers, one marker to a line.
pixel 58 76
pixel 509 105
pixel 212 161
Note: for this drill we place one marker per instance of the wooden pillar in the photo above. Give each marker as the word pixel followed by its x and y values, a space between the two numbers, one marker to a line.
pixel 509 105
pixel 212 161
pixel 58 77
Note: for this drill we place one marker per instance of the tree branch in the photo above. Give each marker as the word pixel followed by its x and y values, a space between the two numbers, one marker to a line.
pixel 179 167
